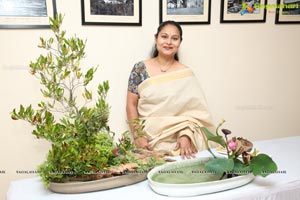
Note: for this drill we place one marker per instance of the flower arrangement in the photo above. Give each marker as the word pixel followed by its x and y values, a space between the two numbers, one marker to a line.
pixel 239 160
pixel 82 144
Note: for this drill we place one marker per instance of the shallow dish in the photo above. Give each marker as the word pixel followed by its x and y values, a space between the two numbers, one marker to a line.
pixel 102 184
pixel 196 188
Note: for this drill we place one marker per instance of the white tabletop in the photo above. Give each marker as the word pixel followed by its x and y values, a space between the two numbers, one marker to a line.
pixel 283 185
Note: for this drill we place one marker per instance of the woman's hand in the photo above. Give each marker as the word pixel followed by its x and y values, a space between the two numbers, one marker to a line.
pixel 186 147
pixel 142 142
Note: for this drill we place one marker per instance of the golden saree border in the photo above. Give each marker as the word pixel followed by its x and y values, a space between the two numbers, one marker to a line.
pixel 165 78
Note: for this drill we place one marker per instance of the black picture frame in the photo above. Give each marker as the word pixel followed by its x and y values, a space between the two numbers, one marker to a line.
pixel 288 13
pixel 95 12
pixel 26 15
pixel 184 12
pixel 235 11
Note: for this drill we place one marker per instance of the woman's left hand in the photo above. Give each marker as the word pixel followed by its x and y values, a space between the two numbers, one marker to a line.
pixel 186 147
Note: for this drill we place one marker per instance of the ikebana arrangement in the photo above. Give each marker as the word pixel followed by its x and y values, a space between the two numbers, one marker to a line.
pixel 210 174
pixel 240 160
pixel 83 147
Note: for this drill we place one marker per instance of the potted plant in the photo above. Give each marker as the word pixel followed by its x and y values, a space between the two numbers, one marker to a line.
pixel 83 147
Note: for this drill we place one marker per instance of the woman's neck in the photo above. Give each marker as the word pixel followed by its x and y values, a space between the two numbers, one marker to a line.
pixel 164 64
pixel 165 60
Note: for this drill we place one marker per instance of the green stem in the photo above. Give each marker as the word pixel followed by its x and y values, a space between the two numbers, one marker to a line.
pixel 226 145
pixel 217 130
pixel 209 150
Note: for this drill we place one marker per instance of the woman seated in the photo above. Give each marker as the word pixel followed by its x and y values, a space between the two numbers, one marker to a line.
pixel 166 94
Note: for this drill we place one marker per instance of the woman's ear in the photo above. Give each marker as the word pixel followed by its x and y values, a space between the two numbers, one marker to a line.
pixel 155 38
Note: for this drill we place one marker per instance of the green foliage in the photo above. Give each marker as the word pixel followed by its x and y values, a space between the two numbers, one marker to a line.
pixel 219 165
pixel 81 139
pixel 262 165
pixel 77 158
pixel 240 168
pixel 138 126
pixel 125 144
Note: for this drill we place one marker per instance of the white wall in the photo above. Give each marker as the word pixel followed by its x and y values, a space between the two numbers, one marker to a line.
pixel 249 73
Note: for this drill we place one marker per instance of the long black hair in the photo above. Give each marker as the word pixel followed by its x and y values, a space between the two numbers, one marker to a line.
pixel 160 27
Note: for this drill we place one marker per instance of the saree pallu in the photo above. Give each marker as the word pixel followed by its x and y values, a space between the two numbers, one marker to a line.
pixel 173 105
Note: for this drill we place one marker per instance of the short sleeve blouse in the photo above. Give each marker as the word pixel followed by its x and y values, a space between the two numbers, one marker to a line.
pixel 137 76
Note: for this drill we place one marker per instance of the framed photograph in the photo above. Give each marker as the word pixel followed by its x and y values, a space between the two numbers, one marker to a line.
pixel 185 11
pixel 111 12
pixel 239 11
pixel 26 13
pixel 287 12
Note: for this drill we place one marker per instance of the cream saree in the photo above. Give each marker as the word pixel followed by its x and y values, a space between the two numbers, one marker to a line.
pixel 173 105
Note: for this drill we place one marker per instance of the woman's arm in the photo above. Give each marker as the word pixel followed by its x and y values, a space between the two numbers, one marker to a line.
pixel 132 114
pixel 131 109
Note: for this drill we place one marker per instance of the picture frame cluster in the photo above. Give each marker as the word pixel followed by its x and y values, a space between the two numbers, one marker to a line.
pixel 239 11
pixel 32 14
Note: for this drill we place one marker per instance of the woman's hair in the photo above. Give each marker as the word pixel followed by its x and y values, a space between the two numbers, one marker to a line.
pixel 160 27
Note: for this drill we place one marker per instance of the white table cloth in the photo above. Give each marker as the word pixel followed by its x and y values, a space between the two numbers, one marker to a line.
pixel 283 185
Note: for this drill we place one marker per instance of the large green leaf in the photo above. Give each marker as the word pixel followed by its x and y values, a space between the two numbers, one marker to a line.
pixel 219 165
pixel 240 168
pixel 210 136
pixel 262 165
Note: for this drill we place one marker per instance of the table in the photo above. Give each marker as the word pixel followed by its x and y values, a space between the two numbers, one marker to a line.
pixel 283 185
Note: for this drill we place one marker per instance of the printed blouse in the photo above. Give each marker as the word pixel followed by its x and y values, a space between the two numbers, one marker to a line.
pixel 137 76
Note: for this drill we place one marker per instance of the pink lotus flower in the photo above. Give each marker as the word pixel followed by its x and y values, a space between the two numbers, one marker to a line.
pixel 232 145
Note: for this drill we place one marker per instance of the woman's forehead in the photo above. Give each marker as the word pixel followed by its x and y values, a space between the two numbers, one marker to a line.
pixel 170 29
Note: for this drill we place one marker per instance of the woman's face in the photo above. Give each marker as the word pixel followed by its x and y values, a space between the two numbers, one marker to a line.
pixel 168 41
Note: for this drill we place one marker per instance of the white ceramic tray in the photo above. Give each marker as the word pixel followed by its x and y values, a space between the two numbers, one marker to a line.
pixel 193 189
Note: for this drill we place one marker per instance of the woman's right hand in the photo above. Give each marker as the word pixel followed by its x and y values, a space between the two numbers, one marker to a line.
pixel 186 147
pixel 142 142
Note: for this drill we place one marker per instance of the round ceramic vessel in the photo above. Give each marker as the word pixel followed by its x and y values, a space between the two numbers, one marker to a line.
pixel 193 189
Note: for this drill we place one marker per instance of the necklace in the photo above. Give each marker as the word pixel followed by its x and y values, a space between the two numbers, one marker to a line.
pixel 165 68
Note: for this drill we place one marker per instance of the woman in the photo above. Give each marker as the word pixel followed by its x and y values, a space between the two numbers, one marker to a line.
pixel 165 93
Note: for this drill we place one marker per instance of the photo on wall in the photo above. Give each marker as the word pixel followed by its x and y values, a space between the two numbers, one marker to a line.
pixel 111 12
pixel 121 8
pixel 185 11
pixel 26 13
pixel 238 11
pixel 288 12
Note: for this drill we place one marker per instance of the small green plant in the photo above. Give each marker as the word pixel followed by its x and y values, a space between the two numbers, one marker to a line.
pixel 258 164
pixel 82 143
pixel 138 126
